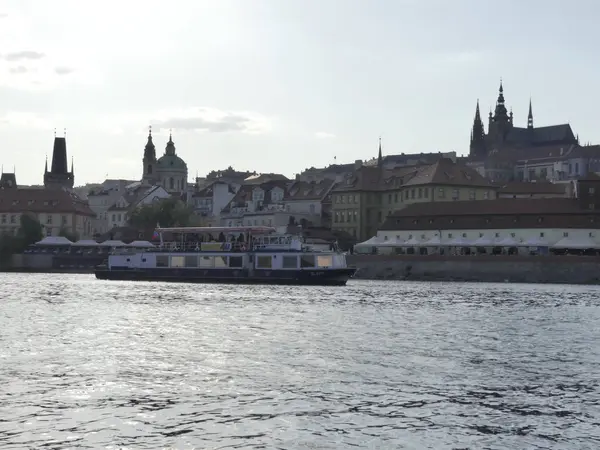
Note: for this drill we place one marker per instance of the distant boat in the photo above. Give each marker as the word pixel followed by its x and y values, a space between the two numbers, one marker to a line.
pixel 248 255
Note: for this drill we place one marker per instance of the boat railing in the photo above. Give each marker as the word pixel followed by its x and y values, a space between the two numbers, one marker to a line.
pixel 201 247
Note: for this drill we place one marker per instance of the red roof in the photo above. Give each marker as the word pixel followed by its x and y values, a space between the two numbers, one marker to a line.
pixel 42 201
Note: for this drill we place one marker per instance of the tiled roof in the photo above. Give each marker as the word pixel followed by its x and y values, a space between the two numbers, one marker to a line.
pixel 302 190
pixel 541 135
pixel 532 188
pixel 494 214
pixel 446 172
pixel 42 201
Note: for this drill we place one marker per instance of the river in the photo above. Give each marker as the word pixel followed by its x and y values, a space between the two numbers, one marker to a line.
pixel 382 365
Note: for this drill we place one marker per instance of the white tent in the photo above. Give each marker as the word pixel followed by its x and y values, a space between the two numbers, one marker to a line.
pixel 412 242
pixel 141 244
pixel 483 242
pixel 507 242
pixel 54 240
pixel 391 243
pixel 372 242
pixel 86 243
pixel 433 242
pixel 535 242
pixel 581 243
pixel 112 243
pixel 459 242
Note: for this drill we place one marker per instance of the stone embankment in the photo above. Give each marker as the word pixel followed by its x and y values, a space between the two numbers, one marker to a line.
pixel 485 268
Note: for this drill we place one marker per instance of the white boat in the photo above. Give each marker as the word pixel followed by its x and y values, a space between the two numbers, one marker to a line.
pixel 256 255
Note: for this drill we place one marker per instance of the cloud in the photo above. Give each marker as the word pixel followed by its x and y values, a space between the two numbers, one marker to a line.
pixel 19 70
pixel 3 15
pixel 214 121
pixel 324 135
pixel 63 70
pixel 23 55
pixel 25 120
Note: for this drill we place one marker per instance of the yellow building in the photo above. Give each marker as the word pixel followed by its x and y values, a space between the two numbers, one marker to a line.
pixel 55 209
pixel 364 199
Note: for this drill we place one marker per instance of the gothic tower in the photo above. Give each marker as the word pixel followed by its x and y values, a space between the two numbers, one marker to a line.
pixel 477 148
pixel 501 122
pixel 149 161
pixel 59 176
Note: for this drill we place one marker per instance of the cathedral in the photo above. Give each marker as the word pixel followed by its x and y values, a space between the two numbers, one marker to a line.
pixel 503 135
pixel 168 171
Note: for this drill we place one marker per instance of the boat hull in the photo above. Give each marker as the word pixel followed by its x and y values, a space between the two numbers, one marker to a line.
pixel 316 277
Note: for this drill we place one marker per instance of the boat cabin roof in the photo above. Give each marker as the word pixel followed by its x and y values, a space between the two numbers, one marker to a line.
pixel 253 230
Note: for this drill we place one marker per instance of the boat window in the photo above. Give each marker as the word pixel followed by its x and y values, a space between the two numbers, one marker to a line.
pixel 206 261
pixel 191 261
pixel 290 262
pixel 324 261
pixel 177 261
pixel 263 262
pixel 220 261
pixel 307 261
pixel 235 261
pixel 162 261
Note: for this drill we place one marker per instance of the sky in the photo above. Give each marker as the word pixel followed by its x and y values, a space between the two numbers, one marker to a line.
pixel 280 86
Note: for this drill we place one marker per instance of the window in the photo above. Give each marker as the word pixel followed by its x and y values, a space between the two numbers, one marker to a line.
pixel 171 183
pixel 324 260
pixel 177 261
pixel 312 208
pixel 591 234
pixel 162 261
pixel 471 194
pixel 449 235
pixel 355 215
pixel 396 197
pixel 307 261
pixel 389 198
pixel 3 218
pixel 464 235
pixel 49 219
pixel 64 220
pixel 263 262
pixel 235 261
pixel 13 219
pixel 486 195
pixel 542 234
pixel 591 190
pixel 497 235
pixel 420 195
pixel 455 194
pixel 480 235
pixel 289 262
pixel 566 234
pixel 190 261
pixel 512 235
pixel 206 262
pixel 336 218
pixel 220 262
pixel 385 238
pixel 426 192
pixel 412 193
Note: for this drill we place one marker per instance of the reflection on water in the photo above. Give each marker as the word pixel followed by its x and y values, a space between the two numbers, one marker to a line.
pixel 96 364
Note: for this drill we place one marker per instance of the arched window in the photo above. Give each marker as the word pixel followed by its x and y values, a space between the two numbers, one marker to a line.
pixel 171 183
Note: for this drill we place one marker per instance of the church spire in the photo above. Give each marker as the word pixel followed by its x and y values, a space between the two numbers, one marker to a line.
pixel 72 164
pixel 46 168
pixel 530 116
pixel 379 155
pixel 477 146
pixel 150 149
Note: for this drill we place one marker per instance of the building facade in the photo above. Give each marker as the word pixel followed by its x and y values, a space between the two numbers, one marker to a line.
pixel 58 176
pixel 57 210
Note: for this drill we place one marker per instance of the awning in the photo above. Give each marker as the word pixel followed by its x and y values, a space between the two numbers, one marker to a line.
pixel 111 243
pixel 459 242
pixel 507 242
pixel 85 243
pixel 433 242
pixel 141 244
pixel 391 243
pixel 372 242
pixel 483 242
pixel 412 242
pixel 581 243
pixel 534 242
pixel 54 240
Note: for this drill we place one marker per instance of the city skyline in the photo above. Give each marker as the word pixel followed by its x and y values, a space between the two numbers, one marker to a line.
pixel 249 85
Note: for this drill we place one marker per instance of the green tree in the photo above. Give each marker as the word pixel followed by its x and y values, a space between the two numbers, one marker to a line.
pixel 73 237
pixel 29 232
pixel 170 212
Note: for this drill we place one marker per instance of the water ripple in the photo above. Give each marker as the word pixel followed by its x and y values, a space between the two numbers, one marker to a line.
pixel 93 364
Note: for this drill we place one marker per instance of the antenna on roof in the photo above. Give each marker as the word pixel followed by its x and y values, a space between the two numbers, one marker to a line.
pixel 65 132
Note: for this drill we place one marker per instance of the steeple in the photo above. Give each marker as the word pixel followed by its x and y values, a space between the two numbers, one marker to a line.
pixel 477 146
pixel 72 165
pixel 149 149
pixel 379 155
pixel 530 116
pixel 46 168
pixel 170 149
pixel 500 114
pixel 59 176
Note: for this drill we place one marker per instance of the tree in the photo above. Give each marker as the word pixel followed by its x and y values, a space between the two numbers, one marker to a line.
pixel 30 231
pixel 170 212
pixel 73 237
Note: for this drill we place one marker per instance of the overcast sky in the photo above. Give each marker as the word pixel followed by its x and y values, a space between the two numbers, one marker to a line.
pixel 278 86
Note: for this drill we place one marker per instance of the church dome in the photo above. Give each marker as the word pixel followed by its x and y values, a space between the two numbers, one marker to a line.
pixel 171 162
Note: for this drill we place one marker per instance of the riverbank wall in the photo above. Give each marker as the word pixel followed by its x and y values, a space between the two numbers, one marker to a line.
pixel 483 268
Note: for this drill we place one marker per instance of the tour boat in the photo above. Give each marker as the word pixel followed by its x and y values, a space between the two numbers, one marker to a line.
pixel 256 255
